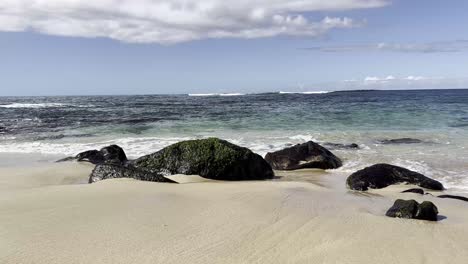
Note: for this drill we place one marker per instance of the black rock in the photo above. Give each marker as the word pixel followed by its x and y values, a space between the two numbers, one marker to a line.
pixel 427 211
pixel 411 209
pixel 414 190
pixel 92 156
pixel 341 146
pixel 301 156
pixel 112 154
pixel 403 209
pixel 112 171
pixel 400 141
pixel 461 198
pixel 382 175
pixel 210 158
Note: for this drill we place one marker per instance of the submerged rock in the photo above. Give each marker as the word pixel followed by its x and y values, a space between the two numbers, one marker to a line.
pixel 301 156
pixel 411 209
pixel 414 190
pixel 382 175
pixel 400 141
pixel 112 171
pixel 112 154
pixel 341 146
pixel 461 198
pixel 210 158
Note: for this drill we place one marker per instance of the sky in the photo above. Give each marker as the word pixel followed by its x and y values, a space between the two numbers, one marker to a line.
pixel 81 47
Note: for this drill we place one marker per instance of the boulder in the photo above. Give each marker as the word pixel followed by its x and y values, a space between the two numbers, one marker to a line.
pixel 414 190
pixel 427 211
pixel 411 209
pixel 403 209
pixel 210 158
pixel 112 171
pixel 461 198
pixel 400 141
pixel 112 154
pixel 382 175
pixel 341 146
pixel 301 156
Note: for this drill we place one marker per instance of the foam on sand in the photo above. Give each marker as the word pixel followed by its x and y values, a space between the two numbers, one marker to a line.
pixel 128 221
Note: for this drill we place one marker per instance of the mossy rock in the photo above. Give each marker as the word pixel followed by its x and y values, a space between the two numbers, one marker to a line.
pixel 210 158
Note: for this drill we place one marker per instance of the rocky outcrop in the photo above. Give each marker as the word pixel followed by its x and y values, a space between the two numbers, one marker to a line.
pixel 210 158
pixel 112 154
pixel 400 141
pixel 461 198
pixel 330 145
pixel 382 175
pixel 301 156
pixel 113 171
pixel 411 209
pixel 414 190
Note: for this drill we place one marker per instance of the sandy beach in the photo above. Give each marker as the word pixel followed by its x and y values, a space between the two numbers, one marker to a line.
pixel 48 214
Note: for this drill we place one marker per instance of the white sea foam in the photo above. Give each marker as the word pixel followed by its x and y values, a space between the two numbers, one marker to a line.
pixel 217 94
pixel 308 92
pixel 203 94
pixel 42 105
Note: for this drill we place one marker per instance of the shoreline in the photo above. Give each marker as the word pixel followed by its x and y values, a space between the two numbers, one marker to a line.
pixel 55 219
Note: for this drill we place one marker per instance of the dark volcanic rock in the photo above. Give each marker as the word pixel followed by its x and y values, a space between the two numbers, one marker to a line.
pixel 414 190
pixel 400 141
pixel 427 211
pixel 461 198
pixel 403 209
pixel 92 156
pixel 382 175
pixel 210 158
pixel 411 209
pixel 112 154
pixel 341 146
pixel 112 171
pixel 301 156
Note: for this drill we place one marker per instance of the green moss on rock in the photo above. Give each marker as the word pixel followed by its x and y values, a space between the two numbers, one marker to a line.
pixel 211 158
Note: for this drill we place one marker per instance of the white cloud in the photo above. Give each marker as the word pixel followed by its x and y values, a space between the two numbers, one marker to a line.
pixel 172 21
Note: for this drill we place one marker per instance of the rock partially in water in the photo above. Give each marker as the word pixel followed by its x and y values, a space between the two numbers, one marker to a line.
pixel 301 156
pixel 112 154
pixel 461 198
pixel 210 158
pixel 414 190
pixel 382 175
pixel 410 209
pixel 113 171
pixel 400 141
pixel 341 146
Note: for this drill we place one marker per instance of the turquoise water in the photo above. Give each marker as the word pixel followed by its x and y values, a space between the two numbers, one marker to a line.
pixel 262 122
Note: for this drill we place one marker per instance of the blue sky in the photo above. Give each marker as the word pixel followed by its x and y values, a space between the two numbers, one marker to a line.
pixel 64 47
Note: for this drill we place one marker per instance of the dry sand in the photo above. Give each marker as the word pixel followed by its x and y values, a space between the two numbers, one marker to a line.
pixel 49 215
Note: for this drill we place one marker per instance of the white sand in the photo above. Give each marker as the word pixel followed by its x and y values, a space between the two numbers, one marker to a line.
pixel 45 217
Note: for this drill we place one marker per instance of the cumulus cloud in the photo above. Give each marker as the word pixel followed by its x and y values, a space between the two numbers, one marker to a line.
pixel 433 47
pixel 172 21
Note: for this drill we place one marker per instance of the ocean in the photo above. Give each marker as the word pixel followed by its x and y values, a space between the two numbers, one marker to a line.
pixel 62 126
